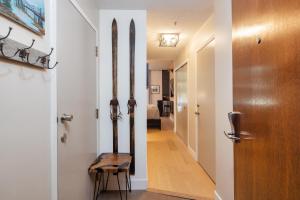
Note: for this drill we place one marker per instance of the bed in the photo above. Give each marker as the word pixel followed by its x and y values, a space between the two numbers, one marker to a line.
pixel 153 117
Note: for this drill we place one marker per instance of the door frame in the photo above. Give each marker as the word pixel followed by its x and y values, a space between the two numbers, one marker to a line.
pixel 186 62
pixel 210 39
pixel 53 88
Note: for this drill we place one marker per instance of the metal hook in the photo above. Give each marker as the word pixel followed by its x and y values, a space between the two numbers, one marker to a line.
pixel 53 66
pixel 8 34
pixel 2 43
pixel 23 52
pixel 44 58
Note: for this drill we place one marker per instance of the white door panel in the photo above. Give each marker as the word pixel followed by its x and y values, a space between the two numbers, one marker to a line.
pixel 206 108
pixel 76 82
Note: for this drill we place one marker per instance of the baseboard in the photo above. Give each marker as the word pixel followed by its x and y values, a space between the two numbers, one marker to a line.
pixel 192 152
pixel 217 196
pixel 177 194
pixel 139 184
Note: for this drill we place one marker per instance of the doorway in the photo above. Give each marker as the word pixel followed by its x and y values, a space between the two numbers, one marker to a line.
pixel 206 108
pixel 77 95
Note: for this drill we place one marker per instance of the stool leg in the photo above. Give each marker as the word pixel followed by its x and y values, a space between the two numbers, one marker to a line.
pixel 119 186
pixel 103 182
pixel 99 186
pixel 129 182
pixel 95 186
pixel 107 181
pixel 126 183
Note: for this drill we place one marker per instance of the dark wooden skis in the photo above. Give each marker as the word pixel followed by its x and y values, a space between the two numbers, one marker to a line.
pixel 132 102
pixel 115 113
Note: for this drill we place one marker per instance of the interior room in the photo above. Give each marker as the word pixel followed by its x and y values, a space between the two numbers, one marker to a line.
pixel 149 99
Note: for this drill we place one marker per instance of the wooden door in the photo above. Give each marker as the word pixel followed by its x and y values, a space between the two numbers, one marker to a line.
pixel 266 82
pixel 76 90
pixel 206 108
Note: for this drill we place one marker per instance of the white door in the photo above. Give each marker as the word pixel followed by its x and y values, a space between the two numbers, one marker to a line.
pixel 206 108
pixel 182 103
pixel 76 83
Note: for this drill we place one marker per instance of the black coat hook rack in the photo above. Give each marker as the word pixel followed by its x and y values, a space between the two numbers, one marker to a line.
pixel 15 51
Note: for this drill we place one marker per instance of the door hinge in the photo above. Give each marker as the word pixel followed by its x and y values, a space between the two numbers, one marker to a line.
pixel 97 51
pixel 97 113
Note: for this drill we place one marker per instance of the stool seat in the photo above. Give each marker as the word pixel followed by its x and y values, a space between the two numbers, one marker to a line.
pixel 114 163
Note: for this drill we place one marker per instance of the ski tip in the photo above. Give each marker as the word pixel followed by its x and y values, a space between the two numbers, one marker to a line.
pixel 114 21
pixel 132 22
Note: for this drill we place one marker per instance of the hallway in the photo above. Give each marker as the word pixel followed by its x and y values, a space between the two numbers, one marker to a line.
pixel 172 170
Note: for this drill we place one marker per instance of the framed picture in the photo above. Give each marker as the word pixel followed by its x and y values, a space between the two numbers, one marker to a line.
pixel 28 13
pixel 155 89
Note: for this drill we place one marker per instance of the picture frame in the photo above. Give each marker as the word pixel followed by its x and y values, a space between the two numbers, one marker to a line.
pixel 155 89
pixel 27 13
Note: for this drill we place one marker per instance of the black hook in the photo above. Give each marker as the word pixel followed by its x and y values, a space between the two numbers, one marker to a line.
pixel 53 66
pixel 8 34
pixel 23 52
pixel 44 58
pixel 2 43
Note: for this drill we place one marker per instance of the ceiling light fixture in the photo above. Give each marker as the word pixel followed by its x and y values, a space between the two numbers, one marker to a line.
pixel 168 39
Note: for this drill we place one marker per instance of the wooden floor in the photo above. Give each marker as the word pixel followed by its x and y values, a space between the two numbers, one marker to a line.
pixel 172 169
pixel 137 195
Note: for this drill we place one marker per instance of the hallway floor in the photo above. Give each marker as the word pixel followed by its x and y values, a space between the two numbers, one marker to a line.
pixel 172 169
pixel 137 195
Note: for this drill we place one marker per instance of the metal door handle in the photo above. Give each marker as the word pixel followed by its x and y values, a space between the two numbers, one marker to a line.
pixel 63 139
pixel 234 119
pixel 231 136
pixel 66 118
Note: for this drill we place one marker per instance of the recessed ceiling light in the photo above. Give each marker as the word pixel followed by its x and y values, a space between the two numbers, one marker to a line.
pixel 168 39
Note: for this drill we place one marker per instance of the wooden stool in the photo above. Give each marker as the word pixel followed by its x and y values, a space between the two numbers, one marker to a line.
pixel 111 164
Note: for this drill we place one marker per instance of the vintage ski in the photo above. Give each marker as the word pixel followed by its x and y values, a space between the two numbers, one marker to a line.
pixel 115 113
pixel 132 102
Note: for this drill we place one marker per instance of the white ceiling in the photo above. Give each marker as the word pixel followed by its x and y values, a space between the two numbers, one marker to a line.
pixel 189 15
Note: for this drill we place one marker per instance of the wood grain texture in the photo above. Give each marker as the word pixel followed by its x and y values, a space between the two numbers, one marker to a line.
pixel 132 102
pixel 266 90
pixel 172 169
pixel 114 103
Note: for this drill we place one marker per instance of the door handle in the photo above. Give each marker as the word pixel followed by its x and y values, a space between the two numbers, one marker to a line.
pixel 197 113
pixel 234 119
pixel 63 139
pixel 66 118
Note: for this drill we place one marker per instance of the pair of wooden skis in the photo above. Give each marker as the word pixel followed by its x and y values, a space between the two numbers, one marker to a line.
pixel 115 113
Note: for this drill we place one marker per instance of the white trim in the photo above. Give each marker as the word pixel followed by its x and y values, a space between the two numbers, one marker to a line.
pixel 83 14
pixel 217 196
pixel 206 42
pixel 181 65
pixel 192 152
pixel 139 184
pixel 53 107
pixel 202 46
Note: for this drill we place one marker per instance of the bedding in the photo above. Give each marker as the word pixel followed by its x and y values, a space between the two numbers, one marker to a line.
pixel 153 112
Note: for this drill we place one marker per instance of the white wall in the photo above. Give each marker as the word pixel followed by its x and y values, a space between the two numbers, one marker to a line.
pixel 224 101
pixel 28 117
pixel 25 117
pixel 190 53
pixel 123 18
pixel 156 79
